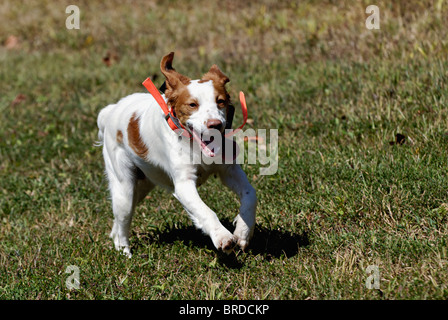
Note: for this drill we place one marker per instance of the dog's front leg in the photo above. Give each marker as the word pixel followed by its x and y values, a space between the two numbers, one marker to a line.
pixel 235 179
pixel 202 216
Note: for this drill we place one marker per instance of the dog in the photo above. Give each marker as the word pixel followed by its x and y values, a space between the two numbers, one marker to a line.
pixel 138 144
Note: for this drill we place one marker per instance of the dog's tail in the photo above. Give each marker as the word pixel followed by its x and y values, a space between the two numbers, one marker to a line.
pixel 101 122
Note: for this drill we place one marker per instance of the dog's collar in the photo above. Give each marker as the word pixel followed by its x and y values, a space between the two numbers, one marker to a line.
pixel 174 122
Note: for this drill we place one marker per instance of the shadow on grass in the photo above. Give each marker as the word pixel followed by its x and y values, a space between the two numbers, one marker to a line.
pixel 271 244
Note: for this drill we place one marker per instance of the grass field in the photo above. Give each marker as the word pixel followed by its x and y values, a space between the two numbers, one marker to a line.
pixel 362 177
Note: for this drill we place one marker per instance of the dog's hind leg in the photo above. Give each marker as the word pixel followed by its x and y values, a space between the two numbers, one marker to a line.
pixel 126 189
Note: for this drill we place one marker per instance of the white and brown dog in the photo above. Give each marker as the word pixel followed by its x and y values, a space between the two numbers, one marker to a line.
pixel 138 152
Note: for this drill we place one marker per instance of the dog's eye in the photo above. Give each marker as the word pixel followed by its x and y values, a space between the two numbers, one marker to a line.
pixel 220 101
pixel 193 105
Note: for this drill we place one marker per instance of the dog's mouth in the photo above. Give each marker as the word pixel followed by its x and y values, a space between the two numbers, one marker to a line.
pixel 226 148
pixel 204 142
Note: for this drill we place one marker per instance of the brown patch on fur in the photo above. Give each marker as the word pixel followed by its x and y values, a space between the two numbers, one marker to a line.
pixel 135 140
pixel 180 101
pixel 119 137
pixel 216 75
pixel 219 81
pixel 173 78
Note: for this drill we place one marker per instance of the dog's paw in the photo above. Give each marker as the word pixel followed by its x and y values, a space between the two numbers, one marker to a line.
pixel 121 246
pixel 243 236
pixel 242 244
pixel 226 243
pixel 243 232
pixel 126 251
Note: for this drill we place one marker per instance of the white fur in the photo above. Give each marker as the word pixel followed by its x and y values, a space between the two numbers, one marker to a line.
pixel 204 93
pixel 171 170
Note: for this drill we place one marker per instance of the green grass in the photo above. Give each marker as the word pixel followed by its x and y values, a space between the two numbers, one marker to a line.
pixel 346 194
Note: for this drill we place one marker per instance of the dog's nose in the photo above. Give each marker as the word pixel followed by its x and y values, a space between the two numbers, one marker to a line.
pixel 214 124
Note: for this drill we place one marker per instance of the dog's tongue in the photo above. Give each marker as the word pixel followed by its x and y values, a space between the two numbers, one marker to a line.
pixel 227 144
pixel 204 148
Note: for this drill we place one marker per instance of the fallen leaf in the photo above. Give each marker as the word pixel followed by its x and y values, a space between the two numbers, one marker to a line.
pixel 18 99
pixel 88 41
pixel 110 58
pixel 42 134
pixel 12 42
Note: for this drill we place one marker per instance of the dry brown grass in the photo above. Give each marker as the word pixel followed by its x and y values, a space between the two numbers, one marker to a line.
pixel 254 32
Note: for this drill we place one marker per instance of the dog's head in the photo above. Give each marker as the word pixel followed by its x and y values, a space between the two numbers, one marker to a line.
pixel 200 105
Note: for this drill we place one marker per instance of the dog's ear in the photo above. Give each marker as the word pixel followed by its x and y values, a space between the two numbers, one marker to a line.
pixel 173 78
pixel 215 74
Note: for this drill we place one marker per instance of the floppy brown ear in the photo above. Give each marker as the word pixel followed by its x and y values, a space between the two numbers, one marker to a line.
pixel 215 74
pixel 173 78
